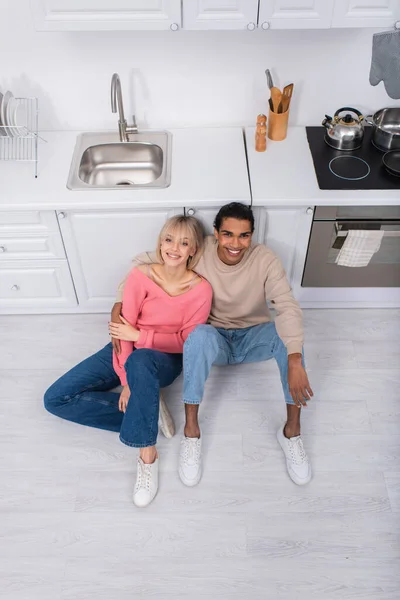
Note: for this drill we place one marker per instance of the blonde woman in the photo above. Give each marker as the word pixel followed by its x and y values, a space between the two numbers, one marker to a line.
pixel 162 304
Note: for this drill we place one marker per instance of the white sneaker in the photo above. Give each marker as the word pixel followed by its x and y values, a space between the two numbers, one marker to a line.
pixel 146 486
pixel 297 462
pixel 165 420
pixel 190 461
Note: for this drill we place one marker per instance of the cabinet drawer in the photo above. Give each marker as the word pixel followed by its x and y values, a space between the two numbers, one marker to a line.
pixel 35 221
pixel 31 246
pixel 36 284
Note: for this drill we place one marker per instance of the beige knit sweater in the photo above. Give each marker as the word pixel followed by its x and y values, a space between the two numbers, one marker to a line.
pixel 241 291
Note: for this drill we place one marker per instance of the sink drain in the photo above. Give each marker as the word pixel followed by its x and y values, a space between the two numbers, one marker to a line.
pixel 127 182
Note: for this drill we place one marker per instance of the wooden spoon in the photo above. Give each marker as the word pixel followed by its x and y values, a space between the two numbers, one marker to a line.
pixel 286 97
pixel 276 96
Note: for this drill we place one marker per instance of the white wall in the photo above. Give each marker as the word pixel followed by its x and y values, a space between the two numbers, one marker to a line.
pixel 183 78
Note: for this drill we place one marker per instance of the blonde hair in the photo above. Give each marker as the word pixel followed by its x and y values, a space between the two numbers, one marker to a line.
pixel 184 227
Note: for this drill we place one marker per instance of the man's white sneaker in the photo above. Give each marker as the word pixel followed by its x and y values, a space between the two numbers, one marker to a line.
pixel 297 462
pixel 190 461
pixel 146 486
pixel 165 420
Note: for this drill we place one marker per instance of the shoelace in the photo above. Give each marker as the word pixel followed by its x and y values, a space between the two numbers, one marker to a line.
pixel 144 476
pixel 191 450
pixel 297 452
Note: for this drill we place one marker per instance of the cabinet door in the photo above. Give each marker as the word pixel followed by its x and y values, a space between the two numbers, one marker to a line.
pixel 34 285
pixel 101 15
pixel 220 14
pixel 295 14
pixel 281 234
pixel 28 221
pixel 100 247
pixel 366 13
pixel 207 217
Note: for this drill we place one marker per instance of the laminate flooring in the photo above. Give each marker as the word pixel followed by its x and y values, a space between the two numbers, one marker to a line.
pixel 69 530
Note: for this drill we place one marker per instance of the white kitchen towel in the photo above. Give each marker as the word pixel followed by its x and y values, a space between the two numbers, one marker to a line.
pixel 359 247
pixel 385 63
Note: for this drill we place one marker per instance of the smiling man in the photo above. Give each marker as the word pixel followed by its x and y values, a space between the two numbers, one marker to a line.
pixel 244 277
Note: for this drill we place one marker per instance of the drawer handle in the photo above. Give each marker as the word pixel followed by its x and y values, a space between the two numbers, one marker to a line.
pixel 61 215
pixel 190 212
pixel 251 26
pixel 174 27
pixel 3 249
pixel 15 288
pixel 266 25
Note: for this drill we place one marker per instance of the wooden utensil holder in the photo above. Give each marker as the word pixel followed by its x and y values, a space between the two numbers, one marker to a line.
pixel 277 125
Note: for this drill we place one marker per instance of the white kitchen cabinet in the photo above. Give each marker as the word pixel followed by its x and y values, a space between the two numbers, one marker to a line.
pixel 28 286
pixel 207 217
pixel 100 246
pixel 31 246
pixel 102 15
pixel 283 229
pixel 29 221
pixel 366 13
pixel 295 14
pixel 220 14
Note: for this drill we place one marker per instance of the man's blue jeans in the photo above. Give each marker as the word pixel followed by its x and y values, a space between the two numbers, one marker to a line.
pixel 207 345
pixel 83 394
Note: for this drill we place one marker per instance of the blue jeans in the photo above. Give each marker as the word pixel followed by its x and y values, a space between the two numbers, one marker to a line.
pixel 207 345
pixel 82 395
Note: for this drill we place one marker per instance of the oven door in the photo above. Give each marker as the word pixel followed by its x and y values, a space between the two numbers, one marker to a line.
pixel 326 240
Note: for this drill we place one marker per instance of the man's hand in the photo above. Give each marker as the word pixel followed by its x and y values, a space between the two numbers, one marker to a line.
pixel 123 331
pixel 299 386
pixel 116 318
pixel 124 398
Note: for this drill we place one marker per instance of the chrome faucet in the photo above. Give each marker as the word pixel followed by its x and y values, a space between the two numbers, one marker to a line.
pixel 116 99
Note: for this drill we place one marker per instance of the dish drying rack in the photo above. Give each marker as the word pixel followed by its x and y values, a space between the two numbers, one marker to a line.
pixel 20 142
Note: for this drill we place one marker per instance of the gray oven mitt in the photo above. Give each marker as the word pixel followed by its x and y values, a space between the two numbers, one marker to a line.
pixel 385 64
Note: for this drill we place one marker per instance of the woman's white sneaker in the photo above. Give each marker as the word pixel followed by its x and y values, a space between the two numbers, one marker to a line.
pixel 297 462
pixel 165 420
pixel 190 461
pixel 146 486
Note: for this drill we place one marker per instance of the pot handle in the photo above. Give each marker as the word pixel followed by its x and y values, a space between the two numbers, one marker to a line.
pixel 369 119
pixel 354 110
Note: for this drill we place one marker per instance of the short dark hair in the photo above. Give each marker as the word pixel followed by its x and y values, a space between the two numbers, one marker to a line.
pixel 234 210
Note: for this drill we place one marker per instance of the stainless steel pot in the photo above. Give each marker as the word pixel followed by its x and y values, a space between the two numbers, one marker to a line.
pixel 386 128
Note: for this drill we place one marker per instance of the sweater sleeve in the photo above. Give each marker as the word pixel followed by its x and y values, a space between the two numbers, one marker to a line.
pixel 146 258
pixel 132 301
pixel 289 317
pixel 173 342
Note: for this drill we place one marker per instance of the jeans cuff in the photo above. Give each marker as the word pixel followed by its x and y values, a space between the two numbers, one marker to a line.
pixel 134 445
pixel 191 401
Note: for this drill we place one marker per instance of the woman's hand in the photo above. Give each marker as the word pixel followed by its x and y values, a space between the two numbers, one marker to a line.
pixel 124 331
pixel 124 398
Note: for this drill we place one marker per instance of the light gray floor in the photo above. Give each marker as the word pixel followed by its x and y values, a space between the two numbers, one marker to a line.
pixel 68 528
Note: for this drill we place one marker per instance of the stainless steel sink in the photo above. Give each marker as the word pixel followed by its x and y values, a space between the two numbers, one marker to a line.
pixel 102 161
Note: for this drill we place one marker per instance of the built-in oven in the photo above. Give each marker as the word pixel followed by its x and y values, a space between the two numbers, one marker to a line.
pixel 354 246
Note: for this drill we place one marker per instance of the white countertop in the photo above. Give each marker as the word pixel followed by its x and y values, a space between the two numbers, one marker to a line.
pixel 208 168
pixel 284 175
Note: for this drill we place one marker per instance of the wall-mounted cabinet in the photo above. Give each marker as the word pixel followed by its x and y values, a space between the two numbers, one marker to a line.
pixel 365 13
pixel 300 14
pixel 220 14
pixel 103 15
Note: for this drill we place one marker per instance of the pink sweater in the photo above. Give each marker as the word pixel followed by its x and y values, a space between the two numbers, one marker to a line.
pixel 164 321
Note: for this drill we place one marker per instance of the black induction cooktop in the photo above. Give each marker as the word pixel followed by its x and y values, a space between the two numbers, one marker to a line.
pixel 360 169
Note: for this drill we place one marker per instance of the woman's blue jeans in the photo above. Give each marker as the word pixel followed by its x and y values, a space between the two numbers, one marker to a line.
pixel 83 394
